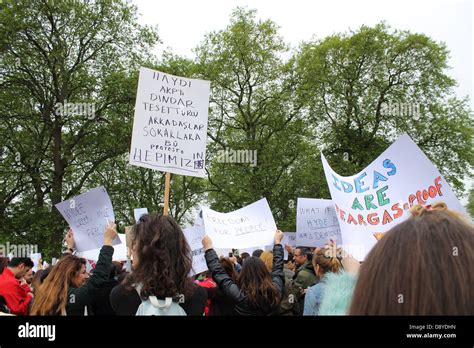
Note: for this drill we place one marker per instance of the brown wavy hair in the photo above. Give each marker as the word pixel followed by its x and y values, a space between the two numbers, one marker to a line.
pixel 51 295
pixel 228 267
pixel 256 282
pixel 422 266
pixel 164 258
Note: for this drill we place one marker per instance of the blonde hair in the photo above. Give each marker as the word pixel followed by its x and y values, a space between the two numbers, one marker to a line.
pixel 267 258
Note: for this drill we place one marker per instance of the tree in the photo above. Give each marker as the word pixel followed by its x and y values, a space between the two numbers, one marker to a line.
pixel 66 103
pixel 365 88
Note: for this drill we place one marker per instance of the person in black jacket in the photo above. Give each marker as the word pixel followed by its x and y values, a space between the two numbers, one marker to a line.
pixel 256 292
pixel 162 261
pixel 67 289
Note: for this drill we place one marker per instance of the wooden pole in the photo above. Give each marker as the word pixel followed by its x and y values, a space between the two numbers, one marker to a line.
pixel 167 193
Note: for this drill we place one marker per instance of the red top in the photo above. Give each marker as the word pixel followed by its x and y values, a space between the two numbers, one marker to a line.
pixel 15 295
pixel 206 283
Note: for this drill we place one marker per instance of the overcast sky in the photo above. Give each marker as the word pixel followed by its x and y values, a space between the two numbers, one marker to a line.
pixel 182 24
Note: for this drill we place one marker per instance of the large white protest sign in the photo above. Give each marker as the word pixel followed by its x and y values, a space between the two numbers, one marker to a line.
pixel 88 214
pixel 194 237
pixel 244 228
pixel 380 196
pixel 138 212
pixel 170 124
pixel 316 222
pixel 120 251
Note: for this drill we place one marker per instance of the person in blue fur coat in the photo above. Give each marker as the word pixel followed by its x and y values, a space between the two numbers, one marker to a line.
pixel 336 283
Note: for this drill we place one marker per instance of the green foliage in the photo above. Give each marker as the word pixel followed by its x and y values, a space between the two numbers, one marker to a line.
pixel 68 88
pixel 253 109
pixel 364 89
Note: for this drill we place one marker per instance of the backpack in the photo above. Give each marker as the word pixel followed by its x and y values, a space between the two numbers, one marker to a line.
pixel 153 306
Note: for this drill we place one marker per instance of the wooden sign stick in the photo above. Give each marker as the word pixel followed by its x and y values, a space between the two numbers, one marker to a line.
pixel 167 193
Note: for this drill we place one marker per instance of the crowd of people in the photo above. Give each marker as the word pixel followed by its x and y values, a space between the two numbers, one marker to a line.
pixel 422 266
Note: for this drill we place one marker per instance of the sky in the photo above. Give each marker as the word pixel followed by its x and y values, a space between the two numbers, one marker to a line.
pixel 182 25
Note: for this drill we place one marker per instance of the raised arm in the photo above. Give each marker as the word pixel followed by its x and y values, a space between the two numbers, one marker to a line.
pixel 278 276
pixel 102 270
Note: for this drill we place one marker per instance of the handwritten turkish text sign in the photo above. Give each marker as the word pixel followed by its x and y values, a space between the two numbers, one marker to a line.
pixel 170 123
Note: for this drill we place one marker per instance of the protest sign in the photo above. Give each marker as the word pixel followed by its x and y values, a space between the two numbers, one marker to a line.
pixel 288 239
pixel 316 222
pixel 194 235
pixel 88 215
pixel 120 251
pixel 139 212
pixel 244 228
pixel 380 196
pixel 170 123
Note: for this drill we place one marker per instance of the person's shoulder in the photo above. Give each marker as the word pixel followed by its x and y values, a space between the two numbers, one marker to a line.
pixel 122 290
pixel 124 300
pixel 316 289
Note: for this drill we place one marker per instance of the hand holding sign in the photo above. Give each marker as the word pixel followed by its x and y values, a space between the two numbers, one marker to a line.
pixel 110 234
pixel 350 264
pixel 70 239
pixel 207 242
pixel 279 237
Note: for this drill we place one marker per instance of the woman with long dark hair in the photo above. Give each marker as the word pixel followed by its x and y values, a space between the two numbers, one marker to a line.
pixel 162 263
pixel 67 289
pixel 256 291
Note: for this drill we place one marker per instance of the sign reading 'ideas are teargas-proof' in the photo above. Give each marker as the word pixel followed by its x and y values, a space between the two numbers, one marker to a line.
pixel 380 196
